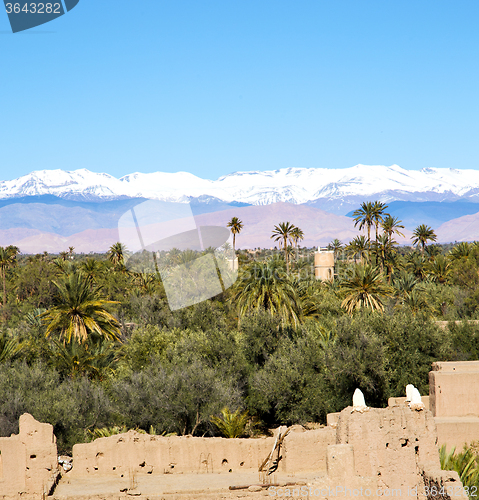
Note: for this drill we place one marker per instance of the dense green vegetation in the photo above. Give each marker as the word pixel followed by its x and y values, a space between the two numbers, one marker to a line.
pixel 90 345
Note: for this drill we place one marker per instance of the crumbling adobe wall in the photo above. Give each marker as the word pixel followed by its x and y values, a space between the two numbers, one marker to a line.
pixel 28 461
pixel 133 452
pixel 384 452
pixel 376 449
pixel 306 451
pixel 390 444
pixel 137 453
pixel 402 401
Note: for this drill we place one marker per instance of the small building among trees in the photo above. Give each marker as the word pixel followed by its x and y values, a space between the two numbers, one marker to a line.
pixel 324 264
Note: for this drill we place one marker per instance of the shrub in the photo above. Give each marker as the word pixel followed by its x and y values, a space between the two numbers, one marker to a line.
pixel 71 406
pixel 290 388
pixel 173 396
pixel 464 339
pixel 356 359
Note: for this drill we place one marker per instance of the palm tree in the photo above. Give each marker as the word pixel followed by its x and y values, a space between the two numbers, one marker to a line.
pixel 392 225
pixel 405 284
pixel 145 282
pixel 95 360
pixel 14 250
pixel 417 264
pixel 461 251
pixel 297 234
pixel 64 266
pixel 235 226
pixel 80 311
pixel 378 211
pixel 117 254
pixel 7 259
pixel 432 251
pixel 336 246
pixel 440 269
pixel 9 347
pixel 409 291
pixel 265 285
pixel 364 287
pixel 384 248
pixel 421 235
pixel 91 268
pixel 364 216
pixel 308 291
pixel 357 247
pixel 283 233
pixel 416 301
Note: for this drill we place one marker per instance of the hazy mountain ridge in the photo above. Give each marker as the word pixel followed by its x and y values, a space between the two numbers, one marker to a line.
pixel 319 227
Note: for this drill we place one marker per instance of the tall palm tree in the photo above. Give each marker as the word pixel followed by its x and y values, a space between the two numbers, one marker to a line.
pixel 14 250
pixel 392 225
pixel 117 254
pixel 357 247
pixel 364 287
pixel 283 233
pixel 7 259
pixel 384 248
pixel 235 226
pixel 421 235
pixel 364 216
pixel 378 211
pixel 80 311
pixel 336 246
pixel 297 234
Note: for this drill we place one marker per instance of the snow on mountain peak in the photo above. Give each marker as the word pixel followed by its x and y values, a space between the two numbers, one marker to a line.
pixel 294 184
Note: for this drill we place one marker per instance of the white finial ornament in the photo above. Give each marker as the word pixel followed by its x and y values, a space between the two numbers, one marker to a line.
pixel 358 402
pixel 416 401
pixel 409 391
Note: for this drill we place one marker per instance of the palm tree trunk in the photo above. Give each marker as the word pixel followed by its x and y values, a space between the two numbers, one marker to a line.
pixel 286 254
pixel 369 243
pixel 4 294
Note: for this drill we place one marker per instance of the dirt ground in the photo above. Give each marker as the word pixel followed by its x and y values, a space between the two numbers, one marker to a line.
pixel 173 486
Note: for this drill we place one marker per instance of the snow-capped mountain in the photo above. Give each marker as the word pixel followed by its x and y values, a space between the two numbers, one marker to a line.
pixel 314 186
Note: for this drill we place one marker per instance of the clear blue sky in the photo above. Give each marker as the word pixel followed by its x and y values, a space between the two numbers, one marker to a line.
pixel 213 87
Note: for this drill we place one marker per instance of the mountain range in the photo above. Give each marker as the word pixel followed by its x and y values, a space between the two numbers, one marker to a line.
pixel 337 189
pixel 53 209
